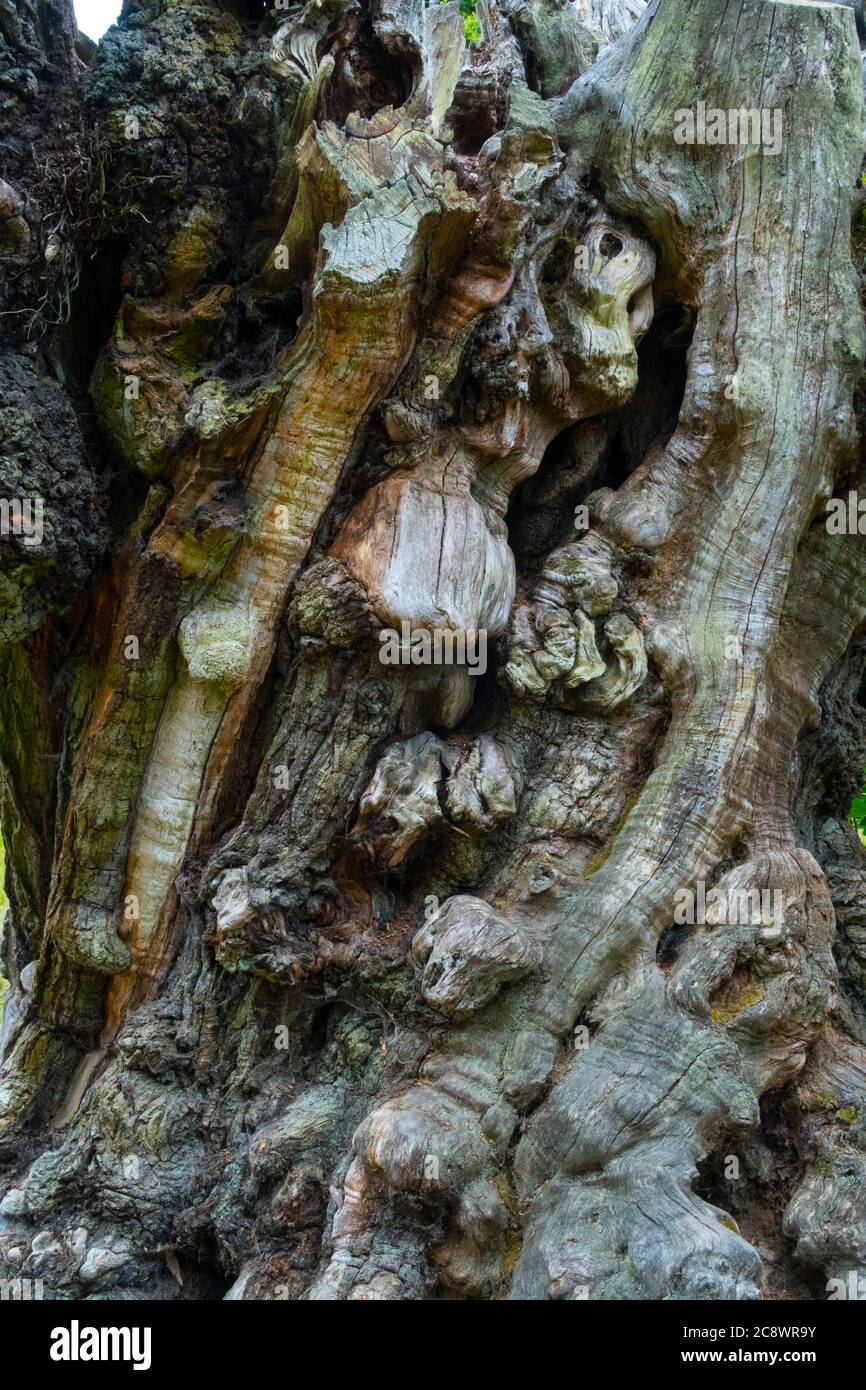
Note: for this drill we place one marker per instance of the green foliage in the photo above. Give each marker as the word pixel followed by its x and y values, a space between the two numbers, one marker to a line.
pixel 858 813
pixel 471 26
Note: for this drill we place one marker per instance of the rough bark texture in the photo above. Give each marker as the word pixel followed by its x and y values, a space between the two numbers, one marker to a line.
pixel 332 978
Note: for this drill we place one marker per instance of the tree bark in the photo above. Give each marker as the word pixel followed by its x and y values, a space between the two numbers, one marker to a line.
pixel 340 969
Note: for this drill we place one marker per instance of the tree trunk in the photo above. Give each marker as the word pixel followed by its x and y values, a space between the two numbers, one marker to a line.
pixel 432 677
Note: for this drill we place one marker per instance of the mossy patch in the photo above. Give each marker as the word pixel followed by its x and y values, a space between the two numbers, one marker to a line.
pixel 190 252
pixel 507 1194
pixel 513 1247
pixel 724 1013
pixel 848 1114
pixel 598 859
pixel 824 1101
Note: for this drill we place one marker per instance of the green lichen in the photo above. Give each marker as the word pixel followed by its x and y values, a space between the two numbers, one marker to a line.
pixel 191 249
pixel 724 1013
pixel 507 1194
pixel 37 1057
pixel 513 1247
pixel 244 1012
pixel 824 1101
pixel 191 347
pixel 595 863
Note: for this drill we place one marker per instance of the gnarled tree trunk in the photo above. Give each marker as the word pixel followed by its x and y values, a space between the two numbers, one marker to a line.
pixel 433 598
